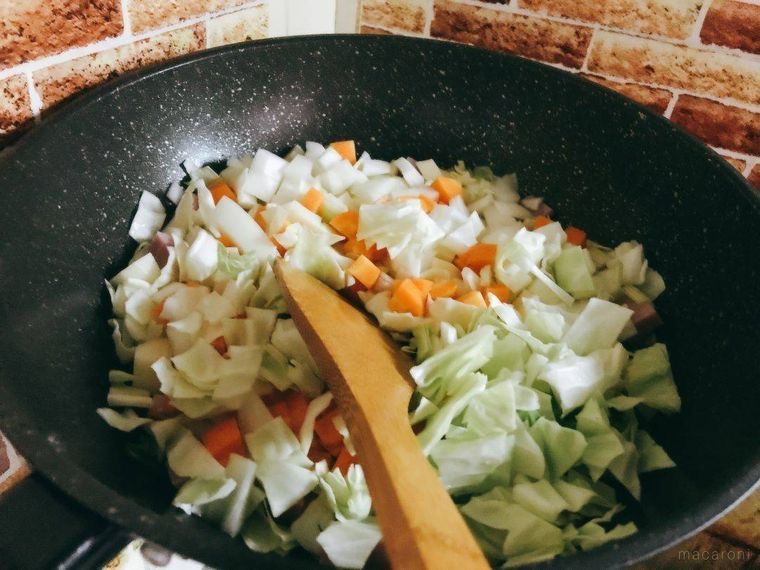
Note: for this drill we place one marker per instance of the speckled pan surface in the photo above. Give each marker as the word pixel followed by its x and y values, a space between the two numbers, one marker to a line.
pixel 605 164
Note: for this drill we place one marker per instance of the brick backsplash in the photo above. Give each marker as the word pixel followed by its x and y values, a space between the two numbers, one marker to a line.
pixel 733 24
pixel 681 67
pixel 153 14
pixel 654 98
pixel 58 82
pixel 546 40
pixel 721 125
pixel 15 107
pixel 409 15
pixel 695 61
pixel 250 24
pixel 33 29
pixel 671 18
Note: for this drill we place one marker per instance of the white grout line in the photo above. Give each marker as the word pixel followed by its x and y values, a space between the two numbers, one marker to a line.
pixel 127 32
pixel 14 459
pixel 671 105
pixel 750 165
pixel 584 65
pixel 735 154
pixel 697 29
pixel 35 101
pixel 429 15
pixel 400 32
pixel 115 42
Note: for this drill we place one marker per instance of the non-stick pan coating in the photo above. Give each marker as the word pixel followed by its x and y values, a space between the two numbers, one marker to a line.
pixel 605 164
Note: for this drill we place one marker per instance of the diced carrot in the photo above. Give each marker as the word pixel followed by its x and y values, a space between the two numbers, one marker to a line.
pixel 502 292
pixel 324 427
pixel 297 405
pixel 576 236
pixel 271 398
pixel 378 255
pixel 161 407
pixel 318 453
pixel 424 285
pixel 447 188
pixel 443 289
pixel 258 217
pixel 226 240
pixel 223 439
pixel 220 345
pixel 364 271
pixel 353 248
pixel 280 410
pixel 155 313
pixel 219 189
pixel 474 298
pixel 407 298
pixel 280 248
pixel 347 149
pixel 344 461
pixel 477 257
pixel 312 200
pixel 426 203
pixel 346 224
pixel 540 221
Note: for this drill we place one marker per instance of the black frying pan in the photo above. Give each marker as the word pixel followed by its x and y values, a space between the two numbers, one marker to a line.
pixel 68 190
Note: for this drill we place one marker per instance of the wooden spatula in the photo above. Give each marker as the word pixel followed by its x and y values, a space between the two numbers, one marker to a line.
pixel 369 378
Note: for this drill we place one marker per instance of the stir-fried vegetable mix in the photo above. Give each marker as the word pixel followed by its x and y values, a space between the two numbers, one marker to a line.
pixel 528 405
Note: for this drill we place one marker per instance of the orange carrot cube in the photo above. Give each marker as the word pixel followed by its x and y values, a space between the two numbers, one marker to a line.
pixel 347 149
pixel 364 271
pixel 312 200
pixel 447 188
pixel 474 298
pixel 477 257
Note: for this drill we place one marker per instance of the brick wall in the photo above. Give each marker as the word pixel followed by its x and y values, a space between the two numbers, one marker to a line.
pixel 51 49
pixel 696 62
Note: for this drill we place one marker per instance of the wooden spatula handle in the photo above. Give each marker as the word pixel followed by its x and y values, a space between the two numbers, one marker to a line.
pixel 368 376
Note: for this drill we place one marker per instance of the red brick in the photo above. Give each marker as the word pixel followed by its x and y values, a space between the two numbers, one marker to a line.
pixel 739 165
pixel 672 18
pixel 241 26
pixel 375 31
pixel 656 99
pixel 754 179
pixel 732 24
pixel 536 38
pixel 650 61
pixel 59 81
pixel 718 124
pixel 406 15
pixel 33 29
pixel 15 109
pixel 152 14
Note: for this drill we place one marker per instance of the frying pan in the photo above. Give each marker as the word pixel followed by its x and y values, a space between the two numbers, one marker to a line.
pixel 605 164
